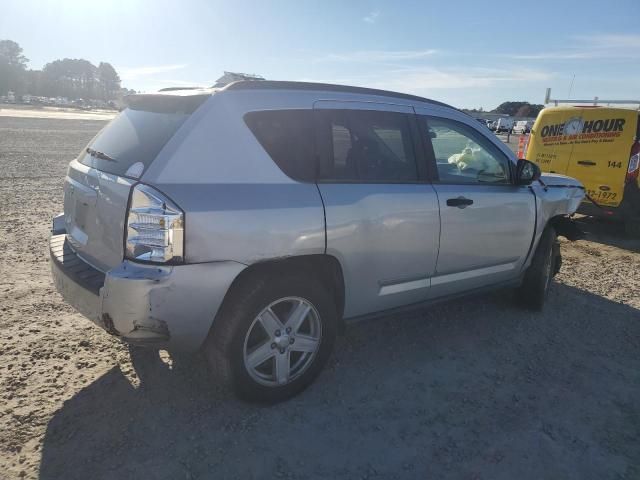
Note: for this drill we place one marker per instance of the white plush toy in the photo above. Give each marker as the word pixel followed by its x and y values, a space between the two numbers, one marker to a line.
pixel 475 159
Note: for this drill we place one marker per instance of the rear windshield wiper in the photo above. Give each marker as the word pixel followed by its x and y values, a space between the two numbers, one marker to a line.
pixel 100 155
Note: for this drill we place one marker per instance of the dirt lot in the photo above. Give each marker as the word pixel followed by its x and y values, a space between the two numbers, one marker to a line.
pixel 41 111
pixel 475 389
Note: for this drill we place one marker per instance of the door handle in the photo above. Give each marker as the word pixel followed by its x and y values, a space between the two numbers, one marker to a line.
pixel 587 163
pixel 460 202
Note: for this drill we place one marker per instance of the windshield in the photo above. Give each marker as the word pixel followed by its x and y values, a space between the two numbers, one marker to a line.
pixel 130 142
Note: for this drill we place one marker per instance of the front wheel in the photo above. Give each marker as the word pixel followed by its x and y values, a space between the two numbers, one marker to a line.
pixel 537 280
pixel 275 333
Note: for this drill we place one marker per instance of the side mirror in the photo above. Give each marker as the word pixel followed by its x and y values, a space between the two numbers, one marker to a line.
pixel 527 172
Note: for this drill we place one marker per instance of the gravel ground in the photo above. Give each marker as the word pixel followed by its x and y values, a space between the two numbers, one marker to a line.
pixel 61 113
pixel 473 389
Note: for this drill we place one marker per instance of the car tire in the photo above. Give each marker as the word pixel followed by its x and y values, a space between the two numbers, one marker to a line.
pixel 537 280
pixel 240 334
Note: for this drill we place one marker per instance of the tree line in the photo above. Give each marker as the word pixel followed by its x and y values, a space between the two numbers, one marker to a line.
pixel 519 109
pixel 69 77
pixel 514 109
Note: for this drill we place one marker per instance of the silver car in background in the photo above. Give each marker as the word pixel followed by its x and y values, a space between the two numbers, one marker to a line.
pixel 253 221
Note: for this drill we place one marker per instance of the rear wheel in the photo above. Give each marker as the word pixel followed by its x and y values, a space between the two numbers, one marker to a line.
pixel 274 335
pixel 537 280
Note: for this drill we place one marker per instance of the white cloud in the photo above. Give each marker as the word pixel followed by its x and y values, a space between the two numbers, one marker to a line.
pixel 422 79
pixel 371 17
pixel 375 56
pixel 459 86
pixel 631 41
pixel 584 47
pixel 137 72
pixel 560 55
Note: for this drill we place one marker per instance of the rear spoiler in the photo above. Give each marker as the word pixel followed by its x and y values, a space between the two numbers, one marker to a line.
pixel 168 102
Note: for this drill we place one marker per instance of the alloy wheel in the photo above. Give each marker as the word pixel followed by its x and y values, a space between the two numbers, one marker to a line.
pixel 282 341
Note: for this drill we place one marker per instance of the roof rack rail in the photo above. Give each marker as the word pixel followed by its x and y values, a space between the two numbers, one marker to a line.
pixel 327 87
pixel 594 102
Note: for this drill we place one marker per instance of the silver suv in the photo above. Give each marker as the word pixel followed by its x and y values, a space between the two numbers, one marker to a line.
pixel 253 221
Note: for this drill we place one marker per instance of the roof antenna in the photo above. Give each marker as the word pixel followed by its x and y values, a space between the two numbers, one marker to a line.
pixel 573 79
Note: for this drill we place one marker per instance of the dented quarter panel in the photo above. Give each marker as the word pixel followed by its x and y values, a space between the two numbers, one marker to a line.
pixel 170 305
pixel 560 195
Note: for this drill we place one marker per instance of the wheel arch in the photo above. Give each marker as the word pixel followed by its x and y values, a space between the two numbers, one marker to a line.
pixel 325 267
pixel 566 227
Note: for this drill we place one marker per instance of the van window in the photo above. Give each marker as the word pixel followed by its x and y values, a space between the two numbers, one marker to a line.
pixel 287 136
pixel 139 133
pixel 365 146
pixel 463 155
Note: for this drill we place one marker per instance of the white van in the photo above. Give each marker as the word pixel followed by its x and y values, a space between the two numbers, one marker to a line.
pixel 504 125
pixel 523 126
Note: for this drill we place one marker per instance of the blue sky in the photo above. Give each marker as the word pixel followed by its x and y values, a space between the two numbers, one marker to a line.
pixel 467 53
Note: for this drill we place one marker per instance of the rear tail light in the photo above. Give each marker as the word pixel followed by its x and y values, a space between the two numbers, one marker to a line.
pixel 634 163
pixel 155 227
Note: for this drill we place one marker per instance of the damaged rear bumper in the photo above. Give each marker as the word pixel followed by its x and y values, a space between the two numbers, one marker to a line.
pixel 166 306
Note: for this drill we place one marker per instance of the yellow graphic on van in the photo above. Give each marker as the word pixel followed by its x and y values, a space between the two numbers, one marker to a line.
pixel 591 144
pixel 576 129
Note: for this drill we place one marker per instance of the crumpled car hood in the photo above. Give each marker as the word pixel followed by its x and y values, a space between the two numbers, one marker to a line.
pixel 558 195
pixel 557 180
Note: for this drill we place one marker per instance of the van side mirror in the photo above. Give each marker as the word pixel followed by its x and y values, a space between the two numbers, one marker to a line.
pixel 527 172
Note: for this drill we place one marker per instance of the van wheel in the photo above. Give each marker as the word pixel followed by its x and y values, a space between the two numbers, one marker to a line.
pixel 537 280
pixel 273 336
pixel 632 228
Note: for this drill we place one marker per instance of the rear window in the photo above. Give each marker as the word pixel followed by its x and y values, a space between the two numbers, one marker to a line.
pixel 287 136
pixel 352 145
pixel 131 141
pixel 360 146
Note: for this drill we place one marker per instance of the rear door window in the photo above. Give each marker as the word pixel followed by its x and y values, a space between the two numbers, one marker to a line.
pixel 287 136
pixel 365 146
pixel 137 135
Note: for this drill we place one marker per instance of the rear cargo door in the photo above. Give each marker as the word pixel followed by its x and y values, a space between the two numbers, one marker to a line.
pixel 95 205
pixel 98 182
pixel 548 146
pixel 601 150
